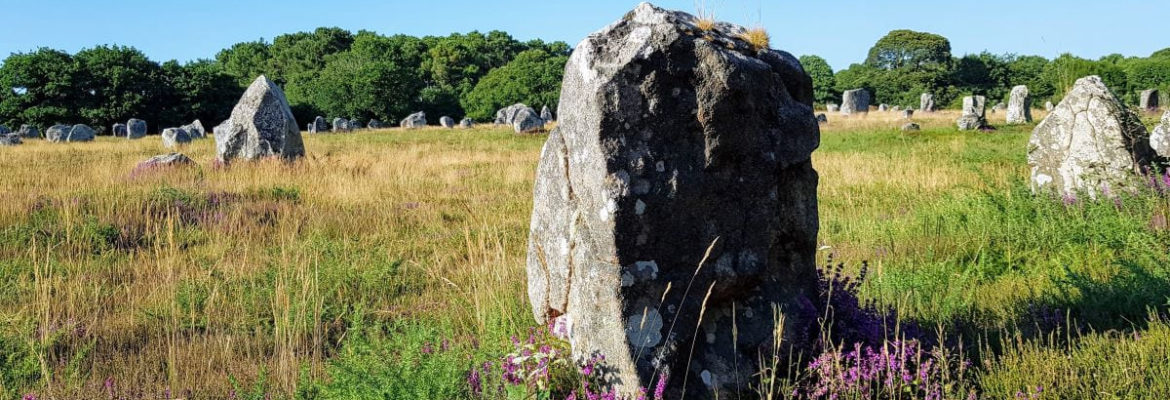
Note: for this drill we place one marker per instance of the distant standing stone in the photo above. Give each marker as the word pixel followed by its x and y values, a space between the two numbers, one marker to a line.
pixel 911 127
pixel 10 139
pixel 546 114
pixel 467 123
pixel 926 103
pixel 414 121
pixel 355 124
pixel 1019 106
pixel 1149 100
pixel 4 130
pixel 57 133
pixel 119 130
pixel 166 160
pixel 896 108
pixel 822 118
pixel 1089 143
pixel 974 113
pixel 527 121
pixel 907 114
pixel 319 125
pixel 855 101
pixel 195 129
pixel 173 137
pixel 28 132
pixel 1160 138
pixel 507 115
pixel 883 107
pixel 81 133
pixel 832 107
pixel 1048 106
pixel 447 122
pixel 375 124
pixel 261 125
pixel 341 125
pixel 135 128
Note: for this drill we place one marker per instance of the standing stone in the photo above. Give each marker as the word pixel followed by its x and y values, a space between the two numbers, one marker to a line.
pixel 974 113
pixel 28 132
pixel 998 106
pixel 855 101
pixel 447 122
pixel 1019 106
pixel 527 121
pixel 926 103
pixel 319 125
pixel 355 124
pixel 832 107
pixel 262 125
pixel 907 113
pixel 546 114
pixel 119 130
pixel 1089 143
pixel 911 127
pixel 1160 138
pixel 414 121
pixel 507 115
pixel 896 108
pixel 195 130
pixel 467 123
pixel 166 160
pixel 80 133
pixel 376 124
pixel 883 107
pixel 1048 106
pixel 647 156
pixel 1149 100
pixel 340 125
pixel 173 137
pixel 10 139
pixel 822 119
pixel 135 128
pixel 57 133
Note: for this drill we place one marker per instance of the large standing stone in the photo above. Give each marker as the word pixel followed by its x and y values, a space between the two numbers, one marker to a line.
pixel 1160 138
pixel 546 114
pixel 926 103
pixel 135 128
pixel 57 133
pixel 416 120
pixel 467 123
pixel 974 113
pixel 855 101
pixel 1149 100
pixel 1019 109
pixel 173 137
pixel 341 125
pixel 195 129
pixel 527 121
pixel 119 130
pixel 28 132
pixel 507 115
pixel 1090 142
pixel 262 125
pixel 649 156
pixel 447 122
pixel 80 133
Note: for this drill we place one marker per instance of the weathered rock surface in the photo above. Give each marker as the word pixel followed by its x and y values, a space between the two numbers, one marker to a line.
pixel 355 124
pixel 1019 110
pixel 649 155
pixel 173 137
pixel 1160 137
pixel 10 139
pixel 507 115
pixel 447 122
pixel 80 133
pixel 822 118
pixel 119 130
pixel 262 125
pixel 1089 143
pixel 166 160
pixel 376 124
pixel 413 121
pixel 855 101
pixel 319 125
pixel 546 114
pixel 28 132
pixel 1149 100
pixel 926 103
pixel 911 127
pixel 341 125
pixel 467 123
pixel 195 129
pixel 527 121
pixel 974 113
pixel 135 128
pixel 57 133
pixel 883 107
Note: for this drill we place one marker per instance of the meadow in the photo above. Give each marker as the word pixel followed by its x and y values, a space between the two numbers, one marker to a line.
pixel 390 263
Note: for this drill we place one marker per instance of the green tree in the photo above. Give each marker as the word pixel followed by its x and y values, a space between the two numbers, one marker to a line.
pixel 245 61
pixel 198 90
pixel 117 83
pixel 910 49
pixel 533 78
pixel 1164 53
pixel 1029 71
pixel 40 88
pixel 824 83
pixel 902 65
pixel 356 84
pixel 1063 72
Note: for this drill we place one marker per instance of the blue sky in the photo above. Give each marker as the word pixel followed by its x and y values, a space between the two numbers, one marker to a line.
pixel 840 31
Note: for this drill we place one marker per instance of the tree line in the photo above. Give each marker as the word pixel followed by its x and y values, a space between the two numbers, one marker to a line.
pixel 904 64
pixel 330 72
pixel 335 73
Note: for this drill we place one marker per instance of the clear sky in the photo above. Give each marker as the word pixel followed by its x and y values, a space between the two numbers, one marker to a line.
pixel 840 31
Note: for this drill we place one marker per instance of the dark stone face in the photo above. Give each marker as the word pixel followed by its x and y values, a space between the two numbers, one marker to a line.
pixel 672 141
